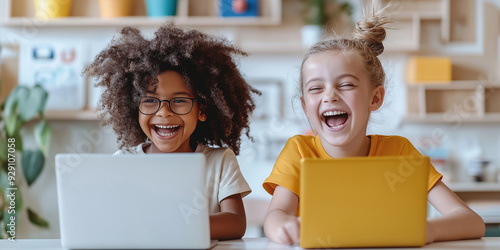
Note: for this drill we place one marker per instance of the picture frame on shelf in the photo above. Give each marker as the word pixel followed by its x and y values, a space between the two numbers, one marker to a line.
pixel 57 67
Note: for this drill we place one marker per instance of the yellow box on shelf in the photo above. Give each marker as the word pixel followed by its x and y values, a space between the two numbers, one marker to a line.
pixel 49 9
pixel 429 70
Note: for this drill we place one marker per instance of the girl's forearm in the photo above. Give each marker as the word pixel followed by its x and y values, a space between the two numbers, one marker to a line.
pixel 281 227
pixel 225 226
pixel 459 224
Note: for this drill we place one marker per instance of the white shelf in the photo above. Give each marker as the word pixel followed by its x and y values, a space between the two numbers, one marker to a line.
pixel 20 13
pixel 79 115
pixel 140 21
pixel 491 220
pixel 454 102
pixel 454 85
pixel 449 118
pixel 430 15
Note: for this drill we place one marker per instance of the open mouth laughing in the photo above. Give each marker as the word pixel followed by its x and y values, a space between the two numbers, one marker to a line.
pixel 166 130
pixel 335 119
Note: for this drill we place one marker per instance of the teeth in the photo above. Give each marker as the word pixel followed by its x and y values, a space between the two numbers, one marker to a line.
pixel 169 126
pixel 164 134
pixel 332 113
pixel 165 127
pixel 334 127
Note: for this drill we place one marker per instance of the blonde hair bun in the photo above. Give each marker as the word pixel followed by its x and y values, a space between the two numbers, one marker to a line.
pixel 371 30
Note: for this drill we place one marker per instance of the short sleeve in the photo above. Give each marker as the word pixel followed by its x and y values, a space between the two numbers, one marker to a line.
pixel 231 180
pixel 286 170
pixel 434 175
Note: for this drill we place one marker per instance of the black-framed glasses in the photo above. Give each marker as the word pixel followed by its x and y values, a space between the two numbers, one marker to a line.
pixel 149 105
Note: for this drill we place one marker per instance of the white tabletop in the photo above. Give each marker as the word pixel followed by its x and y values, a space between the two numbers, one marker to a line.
pixel 261 243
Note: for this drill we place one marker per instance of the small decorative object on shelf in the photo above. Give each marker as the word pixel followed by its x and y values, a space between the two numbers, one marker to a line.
pixel 56 65
pixel 115 8
pixel 239 8
pixel 429 70
pixel 318 14
pixel 49 9
pixel 478 168
pixel 439 159
pixel 161 8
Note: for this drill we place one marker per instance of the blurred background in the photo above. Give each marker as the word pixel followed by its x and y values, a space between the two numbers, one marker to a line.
pixel 441 59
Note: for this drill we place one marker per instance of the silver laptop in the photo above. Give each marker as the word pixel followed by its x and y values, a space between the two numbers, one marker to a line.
pixel 133 201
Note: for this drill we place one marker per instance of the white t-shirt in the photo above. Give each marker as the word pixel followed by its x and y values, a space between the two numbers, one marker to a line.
pixel 224 177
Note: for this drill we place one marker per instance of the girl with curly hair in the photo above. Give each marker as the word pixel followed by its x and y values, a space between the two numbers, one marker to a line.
pixel 180 91
pixel 341 83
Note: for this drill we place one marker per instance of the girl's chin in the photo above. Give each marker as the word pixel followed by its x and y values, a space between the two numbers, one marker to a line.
pixel 336 142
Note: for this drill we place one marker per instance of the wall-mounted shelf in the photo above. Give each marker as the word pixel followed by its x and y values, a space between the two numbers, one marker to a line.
pixel 482 197
pixel 405 32
pixel 454 102
pixel 21 13
pixel 140 22
pixel 78 115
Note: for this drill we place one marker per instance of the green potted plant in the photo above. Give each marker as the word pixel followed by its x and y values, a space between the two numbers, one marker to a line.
pixel 317 15
pixel 23 105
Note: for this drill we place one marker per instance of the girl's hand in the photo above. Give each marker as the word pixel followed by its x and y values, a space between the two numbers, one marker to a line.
pixel 430 235
pixel 289 233
pixel 281 224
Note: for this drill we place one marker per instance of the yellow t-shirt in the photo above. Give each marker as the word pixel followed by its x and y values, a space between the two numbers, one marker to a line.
pixel 286 171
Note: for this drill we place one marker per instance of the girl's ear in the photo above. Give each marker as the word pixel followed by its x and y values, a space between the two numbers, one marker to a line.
pixel 302 101
pixel 201 114
pixel 377 98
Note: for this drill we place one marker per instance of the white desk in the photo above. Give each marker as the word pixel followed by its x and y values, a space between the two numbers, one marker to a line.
pixel 262 243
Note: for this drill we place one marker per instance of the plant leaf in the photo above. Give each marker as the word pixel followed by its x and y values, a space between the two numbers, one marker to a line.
pixel 19 141
pixel 4 182
pixel 1 222
pixel 41 96
pixel 42 136
pixel 31 101
pixel 12 124
pixel 5 185
pixel 10 105
pixel 3 149
pixel 33 162
pixel 36 219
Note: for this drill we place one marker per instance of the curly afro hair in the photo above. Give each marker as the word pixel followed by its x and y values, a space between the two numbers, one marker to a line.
pixel 130 62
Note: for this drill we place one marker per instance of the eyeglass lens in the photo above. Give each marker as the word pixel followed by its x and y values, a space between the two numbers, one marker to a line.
pixel 178 105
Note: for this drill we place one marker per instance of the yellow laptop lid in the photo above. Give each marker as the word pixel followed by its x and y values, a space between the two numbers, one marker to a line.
pixel 363 202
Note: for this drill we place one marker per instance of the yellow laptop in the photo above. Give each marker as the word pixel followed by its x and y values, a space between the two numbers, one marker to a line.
pixel 363 202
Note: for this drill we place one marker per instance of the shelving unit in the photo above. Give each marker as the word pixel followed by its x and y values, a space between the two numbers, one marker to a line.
pixel 276 30
pixel 21 13
pixel 483 197
pixel 77 115
pixel 453 102
pixel 405 32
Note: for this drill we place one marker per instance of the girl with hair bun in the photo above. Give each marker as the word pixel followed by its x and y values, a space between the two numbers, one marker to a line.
pixel 341 83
